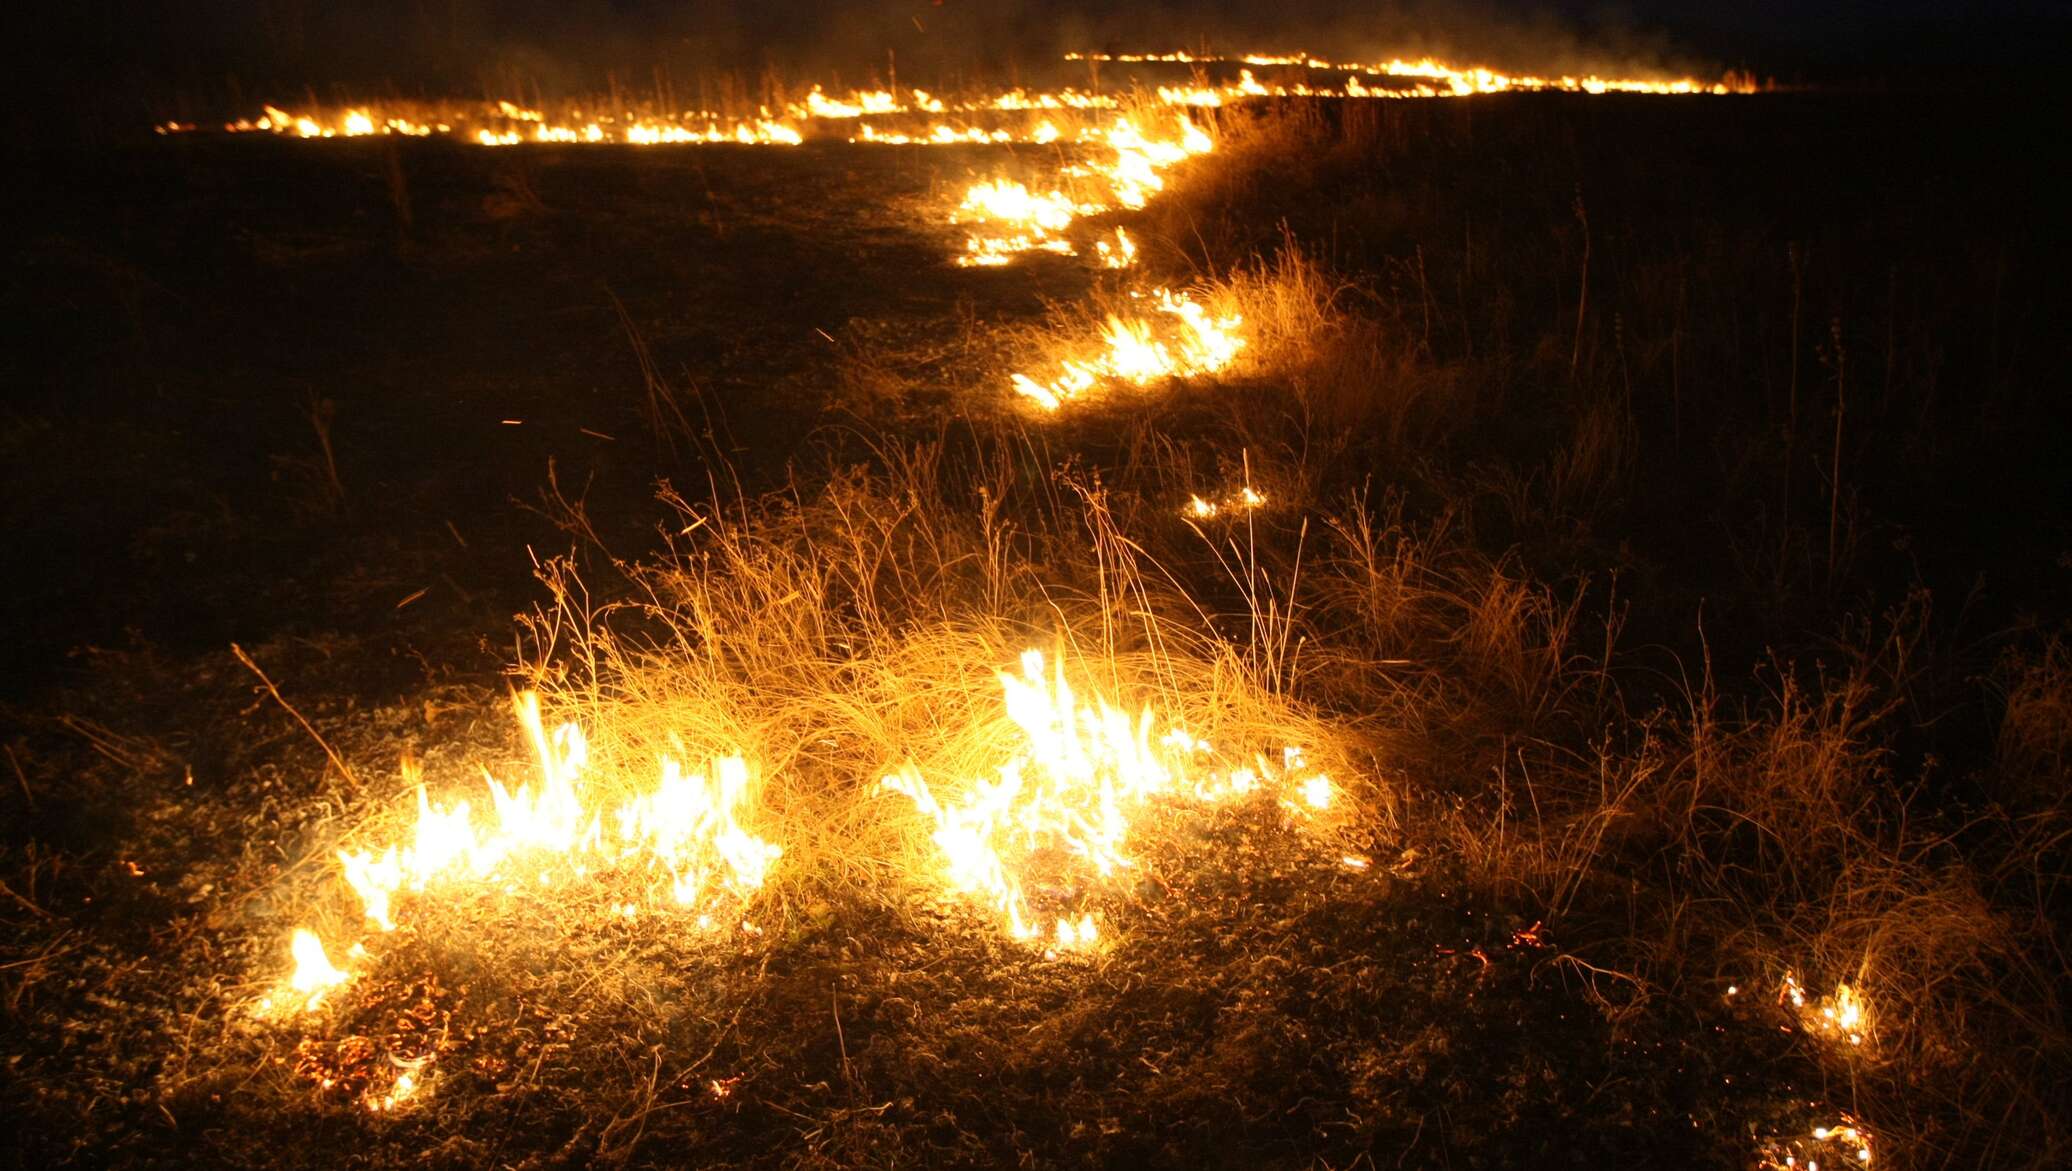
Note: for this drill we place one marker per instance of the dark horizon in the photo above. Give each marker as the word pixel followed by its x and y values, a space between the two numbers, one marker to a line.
pixel 127 54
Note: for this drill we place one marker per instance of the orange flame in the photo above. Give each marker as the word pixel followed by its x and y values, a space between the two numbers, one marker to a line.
pixel 1069 794
pixel 1182 340
pixel 1843 1016
pixel 682 834
pixel 314 974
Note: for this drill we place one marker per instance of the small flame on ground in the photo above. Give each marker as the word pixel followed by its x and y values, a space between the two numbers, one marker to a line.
pixel 1066 799
pixel 1245 499
pixel 1125 172
pixel 1843 1016
pixel 314 974
pixel 1180 339
pixel 1846 1143
pixel 681 835
pixel 1120 254
pixel 1015 220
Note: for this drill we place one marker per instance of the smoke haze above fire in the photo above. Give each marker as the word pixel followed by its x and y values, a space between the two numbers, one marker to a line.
pixel 157 49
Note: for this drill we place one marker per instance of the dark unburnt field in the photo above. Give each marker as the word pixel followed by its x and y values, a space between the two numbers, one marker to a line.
pixel 190 303
pixel 1665 494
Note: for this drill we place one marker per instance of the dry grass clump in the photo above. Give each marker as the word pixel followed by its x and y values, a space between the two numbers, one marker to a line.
pixel 1484 649
pixel 1352 371
pixel 1799 849
pixel 1745 845
pixel 835 636
pixel 1347 375
pixel 2034 744
pixel 1283 146
pixel 1726 842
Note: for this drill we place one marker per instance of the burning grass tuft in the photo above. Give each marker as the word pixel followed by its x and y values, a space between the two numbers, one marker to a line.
pixel 864 632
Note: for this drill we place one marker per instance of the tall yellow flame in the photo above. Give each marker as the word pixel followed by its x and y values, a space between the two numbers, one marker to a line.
pixel 685 828
pixel 1179 339
pixel 681 836
pixel 1067 798
pixel 314 973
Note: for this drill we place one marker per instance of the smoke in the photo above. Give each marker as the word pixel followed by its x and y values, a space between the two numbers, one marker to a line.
pixel 458 46
pixel 149 51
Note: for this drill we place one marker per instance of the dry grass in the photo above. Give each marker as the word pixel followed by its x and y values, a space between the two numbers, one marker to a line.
pixel 833 637
pixel 1688 843
pixel 854 622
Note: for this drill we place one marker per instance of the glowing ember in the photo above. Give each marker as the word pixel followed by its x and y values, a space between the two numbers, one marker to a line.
pixel 1245 499
pixel 1316 792
pixel 1852 1136
pixel 1844 1144
pixel 1061 809
pixel 406 1087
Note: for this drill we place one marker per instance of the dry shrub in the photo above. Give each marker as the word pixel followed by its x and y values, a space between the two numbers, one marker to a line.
pixel 1284 146
pixel 1352 373
pixel 1784 793
pixel 1589 469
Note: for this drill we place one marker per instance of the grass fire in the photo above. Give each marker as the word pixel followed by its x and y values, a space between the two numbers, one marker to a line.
pixel 1490 596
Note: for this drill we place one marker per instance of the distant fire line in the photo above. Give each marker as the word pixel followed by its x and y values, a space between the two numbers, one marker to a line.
pixel 937 120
